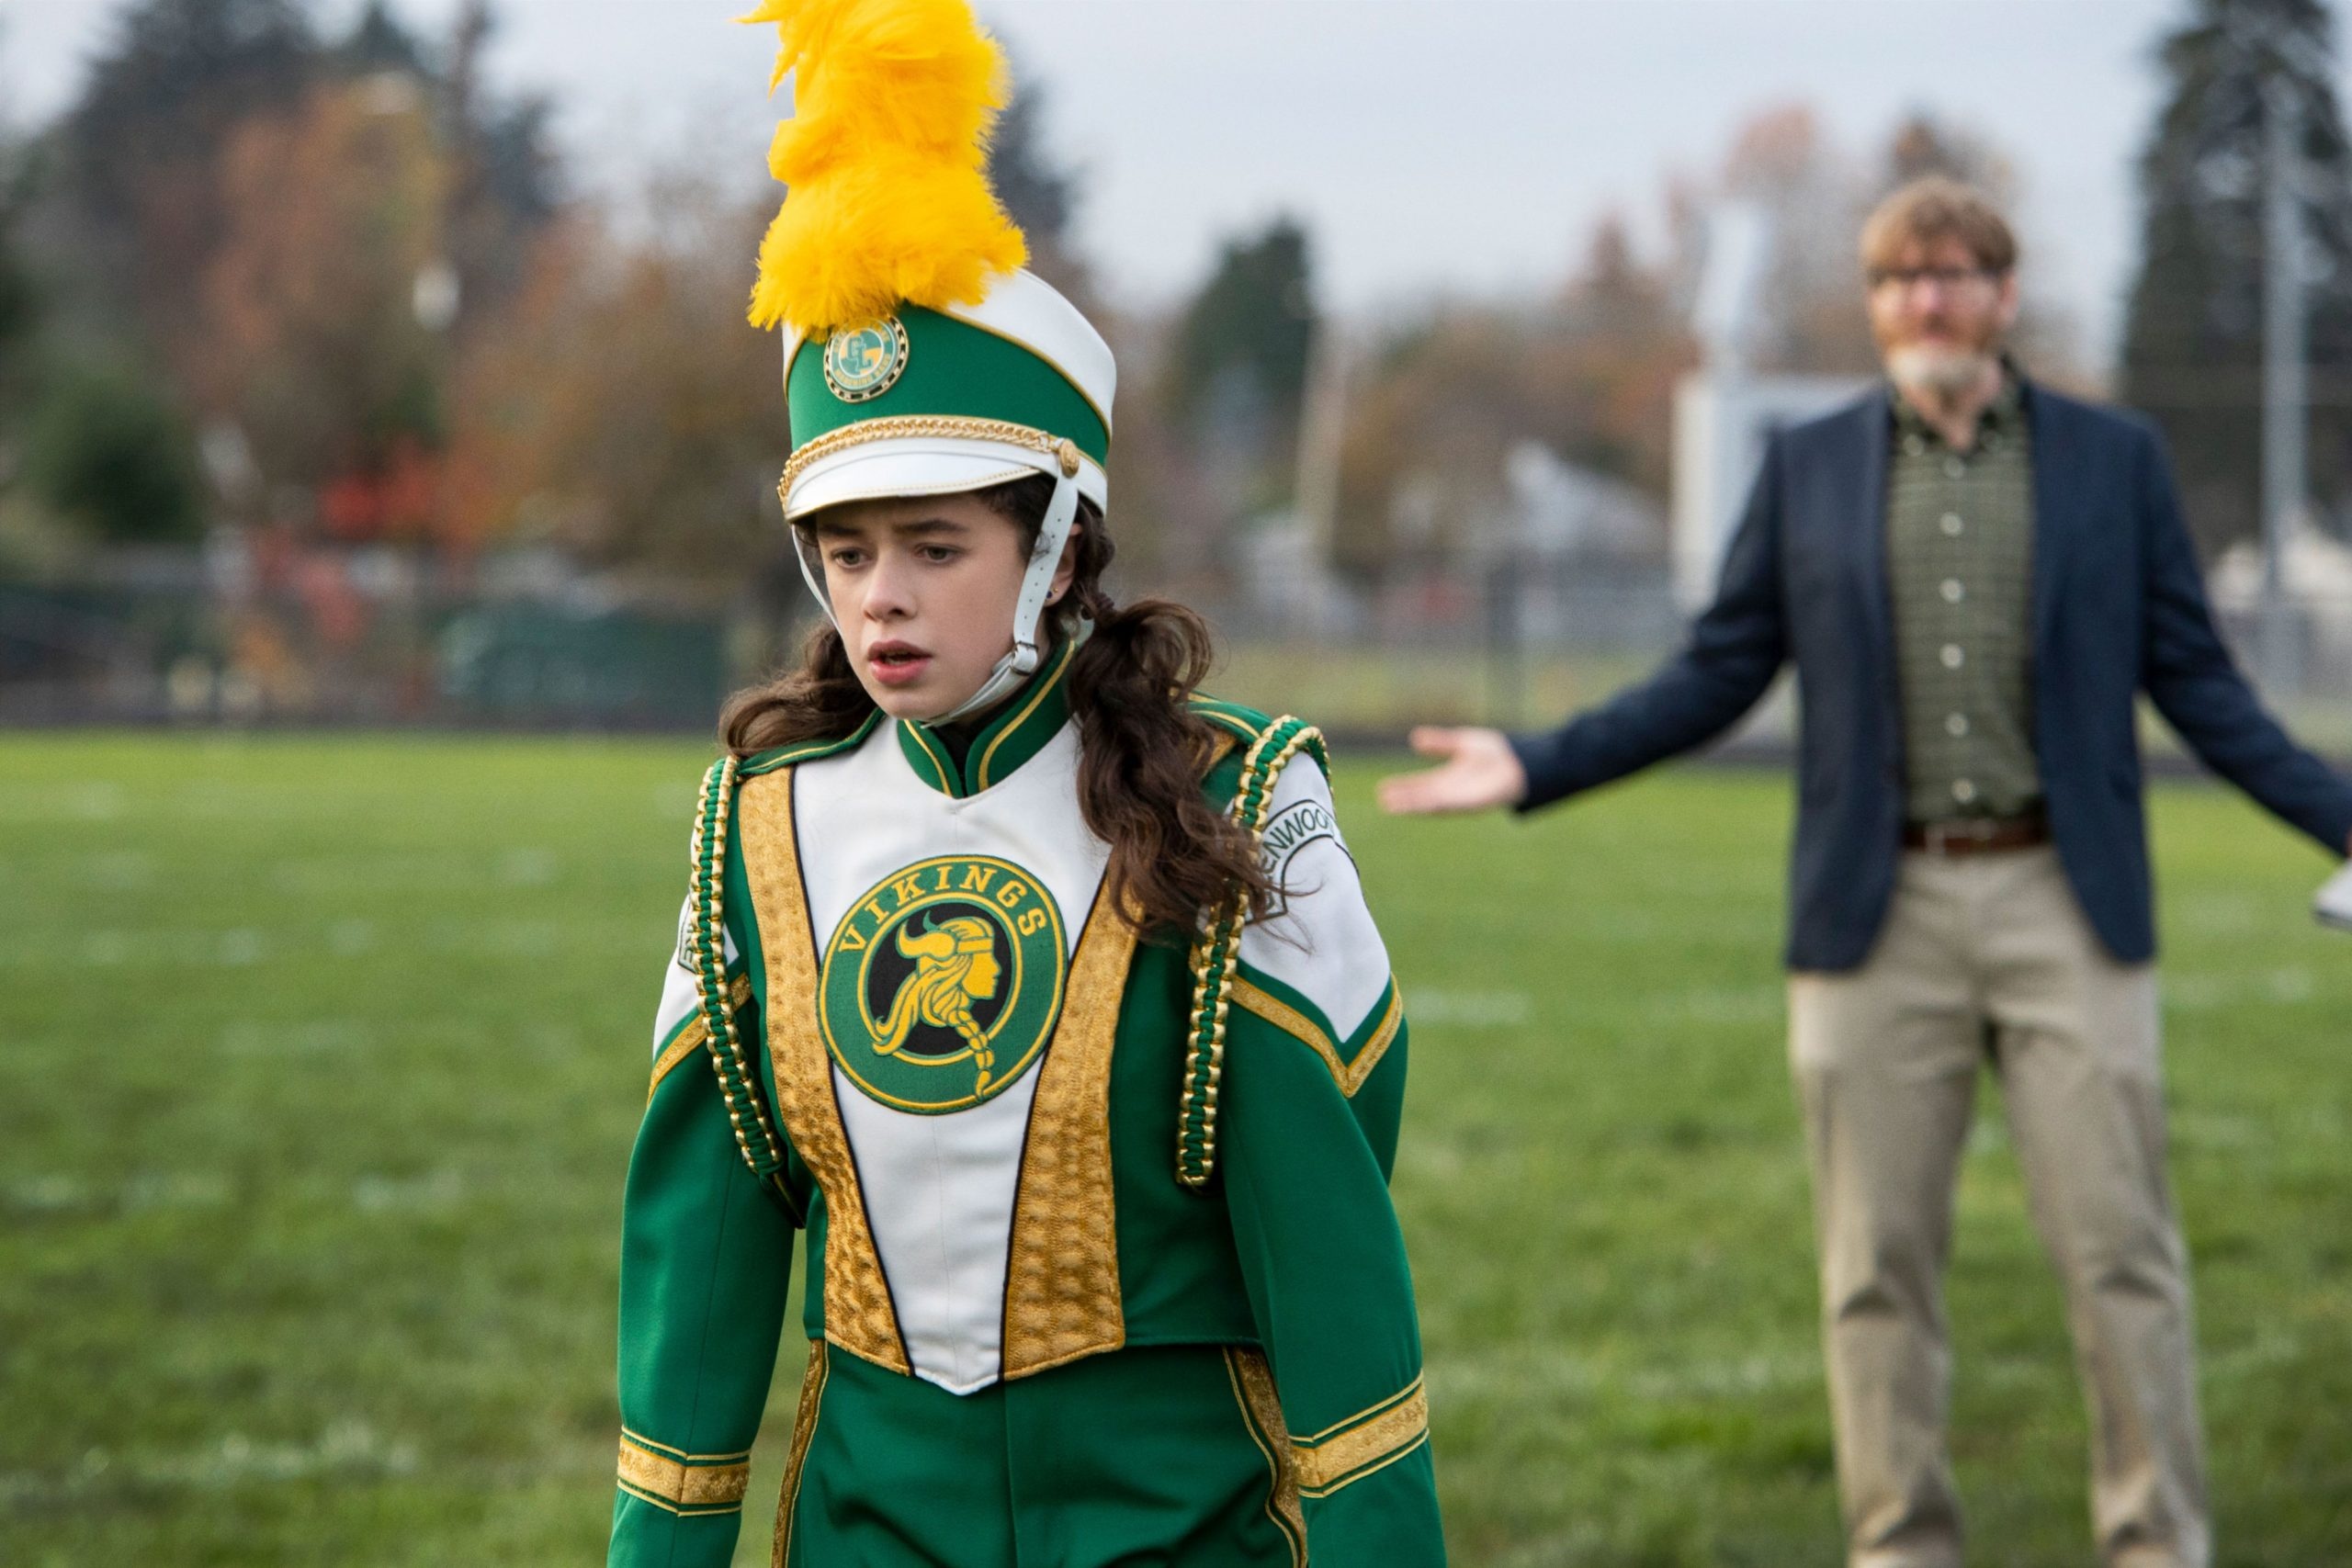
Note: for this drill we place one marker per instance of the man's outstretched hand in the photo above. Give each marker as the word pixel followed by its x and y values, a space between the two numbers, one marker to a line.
pixel 1480 770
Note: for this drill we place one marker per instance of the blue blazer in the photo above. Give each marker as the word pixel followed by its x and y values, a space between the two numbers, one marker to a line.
pixel 2118 608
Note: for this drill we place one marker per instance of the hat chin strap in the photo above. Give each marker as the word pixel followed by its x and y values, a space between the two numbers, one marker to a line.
pixel 1022 660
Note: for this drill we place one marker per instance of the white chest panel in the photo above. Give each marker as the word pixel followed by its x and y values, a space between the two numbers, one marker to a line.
pixel 940 1189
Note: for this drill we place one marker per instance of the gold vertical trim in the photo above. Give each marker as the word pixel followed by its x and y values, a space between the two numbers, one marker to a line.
pixel 1061 1277
pixel 1261 1412
pixel 858 1314
pixel 804 1429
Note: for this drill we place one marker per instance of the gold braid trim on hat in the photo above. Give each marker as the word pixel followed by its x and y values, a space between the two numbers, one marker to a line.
pixel 927 426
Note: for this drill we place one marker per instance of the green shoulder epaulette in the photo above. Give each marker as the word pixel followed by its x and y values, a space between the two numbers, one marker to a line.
pixel 1246 724
pixel 755 1132
pixel 777 757
pixel 1267 746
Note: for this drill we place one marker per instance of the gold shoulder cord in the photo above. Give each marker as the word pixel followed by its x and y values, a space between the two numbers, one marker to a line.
pixel 1216 954
pixel 754 1133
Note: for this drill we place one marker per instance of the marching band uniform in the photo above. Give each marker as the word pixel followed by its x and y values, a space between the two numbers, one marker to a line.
pixel 1101 1267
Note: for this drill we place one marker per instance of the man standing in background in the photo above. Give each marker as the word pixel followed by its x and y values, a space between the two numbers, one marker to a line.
pixel 1974 576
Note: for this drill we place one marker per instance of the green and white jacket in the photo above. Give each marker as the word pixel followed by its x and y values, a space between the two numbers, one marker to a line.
pixel 1016 1134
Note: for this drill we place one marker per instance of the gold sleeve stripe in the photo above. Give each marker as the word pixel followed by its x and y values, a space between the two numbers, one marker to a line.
pixel 683 1488
pixel 683 1511
pixel 1349 1076
pixel 693 1037
pixel 642 1441
pixel 1358 1450
pixel 1361 1417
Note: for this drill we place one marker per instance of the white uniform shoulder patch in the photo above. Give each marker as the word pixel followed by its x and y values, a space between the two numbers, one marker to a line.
pixel 1320 941
pixel 1292 829
pixel 681 1000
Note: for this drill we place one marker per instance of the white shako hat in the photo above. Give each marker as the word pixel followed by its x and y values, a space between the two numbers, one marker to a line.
pixel 920 358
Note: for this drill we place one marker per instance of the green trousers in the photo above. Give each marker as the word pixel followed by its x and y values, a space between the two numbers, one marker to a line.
pixel 1148 1456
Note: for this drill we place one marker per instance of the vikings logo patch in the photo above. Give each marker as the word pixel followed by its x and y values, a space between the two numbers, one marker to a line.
pixel 943 984
pixel 867 362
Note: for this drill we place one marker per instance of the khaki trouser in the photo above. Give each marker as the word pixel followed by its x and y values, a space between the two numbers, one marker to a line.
pixel 1987 957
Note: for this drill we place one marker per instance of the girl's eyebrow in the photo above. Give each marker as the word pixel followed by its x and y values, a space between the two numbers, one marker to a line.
pixel 926 526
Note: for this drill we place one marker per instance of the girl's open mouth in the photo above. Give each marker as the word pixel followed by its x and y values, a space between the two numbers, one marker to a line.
pixel 895 663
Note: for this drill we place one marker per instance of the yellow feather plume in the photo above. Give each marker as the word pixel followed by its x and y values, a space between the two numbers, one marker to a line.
pixel 887 156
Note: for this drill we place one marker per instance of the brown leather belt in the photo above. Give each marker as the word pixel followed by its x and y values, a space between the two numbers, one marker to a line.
pixel 1977 835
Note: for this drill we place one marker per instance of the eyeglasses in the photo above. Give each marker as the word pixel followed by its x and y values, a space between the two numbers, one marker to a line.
pixel 1909 277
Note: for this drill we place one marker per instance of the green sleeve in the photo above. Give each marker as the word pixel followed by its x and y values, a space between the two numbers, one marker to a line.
pixel 706 1260
pixel 1304 1150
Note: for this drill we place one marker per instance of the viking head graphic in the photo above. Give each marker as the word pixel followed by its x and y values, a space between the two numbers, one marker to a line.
pixel 955 965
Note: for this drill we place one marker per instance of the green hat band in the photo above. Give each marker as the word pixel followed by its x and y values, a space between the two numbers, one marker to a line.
pixel 921 363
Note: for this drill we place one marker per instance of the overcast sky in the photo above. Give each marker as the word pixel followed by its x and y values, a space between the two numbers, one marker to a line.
pixel 1433 146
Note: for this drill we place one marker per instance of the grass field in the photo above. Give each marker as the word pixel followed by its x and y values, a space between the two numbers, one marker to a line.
pixel 320 1061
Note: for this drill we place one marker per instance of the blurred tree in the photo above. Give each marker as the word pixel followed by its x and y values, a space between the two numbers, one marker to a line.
pixel 1040 194
pixel 310 310
pixel 622 408
pixel 1252 318
pixel 1924 145
pixel 137 153
pixel 1236 370
pixel 19 299
pixel 19 309
pixel 1589 375
pixel 1813 199
pixel 2192 339
pixel 107 451
pixel 300 237
pixel 377 41
pixel 1812 317
pixel 1618 345
pixel 506 185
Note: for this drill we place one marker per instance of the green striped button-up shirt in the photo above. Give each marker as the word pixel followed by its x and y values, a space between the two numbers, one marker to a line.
pixel 1960 561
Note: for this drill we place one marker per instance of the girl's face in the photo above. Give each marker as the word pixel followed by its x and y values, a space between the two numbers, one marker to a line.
pixel 923 587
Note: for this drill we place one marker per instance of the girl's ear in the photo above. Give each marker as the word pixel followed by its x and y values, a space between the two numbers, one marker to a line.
pixel 1068 567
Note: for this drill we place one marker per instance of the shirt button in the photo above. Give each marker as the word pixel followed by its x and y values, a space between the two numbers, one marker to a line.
pixel 1963 791
pixel 1953 591
pixel 1954 468
pixel 1952 525
pixel 1913 445
pixel 1956 725
pixel 1953 657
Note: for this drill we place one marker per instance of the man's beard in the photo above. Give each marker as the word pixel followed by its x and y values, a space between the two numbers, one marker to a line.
pixel 1937 369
